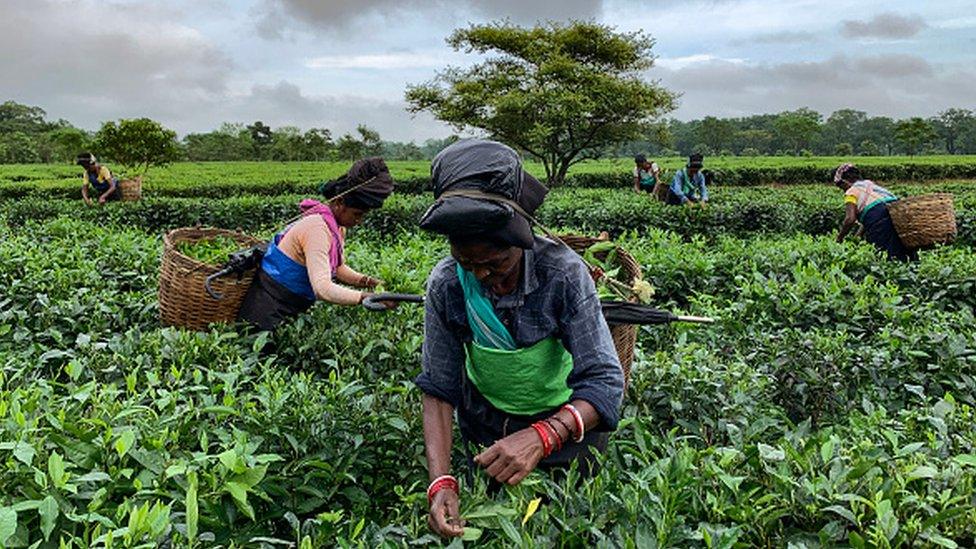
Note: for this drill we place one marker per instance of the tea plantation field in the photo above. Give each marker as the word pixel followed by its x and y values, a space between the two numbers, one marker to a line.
pixel 832 404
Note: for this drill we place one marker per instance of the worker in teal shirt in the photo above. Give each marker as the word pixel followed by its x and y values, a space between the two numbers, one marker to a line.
pixel 688 185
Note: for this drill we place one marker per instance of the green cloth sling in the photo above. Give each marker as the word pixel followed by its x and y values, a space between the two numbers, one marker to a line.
pixel 687 185
pixel 521 382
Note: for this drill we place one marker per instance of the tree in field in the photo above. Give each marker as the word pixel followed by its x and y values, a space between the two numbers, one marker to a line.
pixel 15 117
pixel 868 148
pixel 262 137
pixel 18 148
pixel 560 92
pixel 914 134
pixel 370 138
pixel 137 144
pixel 66 142
pixel 951 124
pixel 287 143
pixel 756 140
pixel 349 148
pixel 842 126
pixel 881 131
pixel 716 133
pixel 797 129
pixel 318 143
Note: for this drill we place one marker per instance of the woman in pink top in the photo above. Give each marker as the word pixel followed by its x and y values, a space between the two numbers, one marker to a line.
pixel 305 261
pixel 867 202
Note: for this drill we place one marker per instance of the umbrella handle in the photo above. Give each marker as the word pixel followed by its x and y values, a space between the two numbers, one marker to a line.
pixel 375 301
pixel 695 319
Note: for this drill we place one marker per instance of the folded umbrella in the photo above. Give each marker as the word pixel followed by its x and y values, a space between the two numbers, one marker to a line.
pixel 615 312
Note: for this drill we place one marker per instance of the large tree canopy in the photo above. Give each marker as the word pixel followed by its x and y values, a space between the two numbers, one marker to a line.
pixel 562 93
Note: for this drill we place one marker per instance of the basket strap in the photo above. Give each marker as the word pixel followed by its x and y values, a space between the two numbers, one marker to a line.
pixel 481 195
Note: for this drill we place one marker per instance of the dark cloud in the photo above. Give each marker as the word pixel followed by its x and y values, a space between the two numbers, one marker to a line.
pixel 138 60
pixel 276 17
pixel 884 25
pixel 784 37
pixel 126 61
pixel 893 85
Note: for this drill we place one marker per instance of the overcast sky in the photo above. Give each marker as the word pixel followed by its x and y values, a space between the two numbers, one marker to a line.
pixel 193 64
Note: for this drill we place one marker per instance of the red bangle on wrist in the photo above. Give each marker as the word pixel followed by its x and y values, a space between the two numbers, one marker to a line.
pixel 440 483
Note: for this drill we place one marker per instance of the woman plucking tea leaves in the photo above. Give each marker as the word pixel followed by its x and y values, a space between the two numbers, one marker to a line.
pixel 98 178
pixel 867 202
pixel 514 339
pixel 306 259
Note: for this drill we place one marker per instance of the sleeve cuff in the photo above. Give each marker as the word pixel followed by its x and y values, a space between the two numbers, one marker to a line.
pixel 609 413
pixel 423 382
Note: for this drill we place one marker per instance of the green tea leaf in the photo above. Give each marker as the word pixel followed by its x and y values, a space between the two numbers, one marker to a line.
pixel 8 523
pixel 470 533
pixel 48 511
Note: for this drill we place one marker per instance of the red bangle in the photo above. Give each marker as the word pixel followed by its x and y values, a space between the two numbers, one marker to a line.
pixel 578 418
pixel 546 444
pixel 555 434
pixel 439 483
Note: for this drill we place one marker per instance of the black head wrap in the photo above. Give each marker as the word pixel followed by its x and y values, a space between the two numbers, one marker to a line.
pixel 85 159
pixel 366 185
pixel 640 159
pixel 489 167
pixel 695 161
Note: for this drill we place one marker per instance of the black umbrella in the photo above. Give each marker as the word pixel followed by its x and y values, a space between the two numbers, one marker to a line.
pixel 615 312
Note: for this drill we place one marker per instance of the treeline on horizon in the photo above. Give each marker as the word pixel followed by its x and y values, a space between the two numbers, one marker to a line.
pixel 27 136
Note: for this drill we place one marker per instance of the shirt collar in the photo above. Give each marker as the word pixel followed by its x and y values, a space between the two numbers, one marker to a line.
pixel 529 283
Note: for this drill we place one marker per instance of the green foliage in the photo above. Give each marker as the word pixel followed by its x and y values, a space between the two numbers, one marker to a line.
pixel 212 251
pixel 137 144
pixel 914 134
pixel 561 93
pixel 833 404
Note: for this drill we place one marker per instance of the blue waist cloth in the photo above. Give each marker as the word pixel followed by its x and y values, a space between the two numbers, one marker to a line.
pixel 286 271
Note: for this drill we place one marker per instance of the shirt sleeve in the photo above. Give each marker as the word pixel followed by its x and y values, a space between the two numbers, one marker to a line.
pixel 704 189
pixel 597 376
pixel 315 243
pixel 442 353
pixel 851 196
pixel 104 175
pixel 655 169
pixel 676 187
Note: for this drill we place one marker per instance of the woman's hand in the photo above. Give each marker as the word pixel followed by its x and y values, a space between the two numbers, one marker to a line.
pixel 445 515
pixel 512 458
pixel 88 201
pixel 101 200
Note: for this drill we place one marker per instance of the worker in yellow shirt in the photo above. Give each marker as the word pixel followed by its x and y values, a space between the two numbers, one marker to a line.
pixel 99 178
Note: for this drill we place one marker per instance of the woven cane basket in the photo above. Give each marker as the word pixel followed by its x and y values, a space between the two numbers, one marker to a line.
pixel 624 335
pixel 183 301
pixel 924 220
pixel 131 189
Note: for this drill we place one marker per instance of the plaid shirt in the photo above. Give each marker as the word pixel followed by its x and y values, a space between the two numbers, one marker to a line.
pixel 556 297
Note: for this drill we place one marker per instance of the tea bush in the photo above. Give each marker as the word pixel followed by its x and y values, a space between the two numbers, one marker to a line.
pixel 831 404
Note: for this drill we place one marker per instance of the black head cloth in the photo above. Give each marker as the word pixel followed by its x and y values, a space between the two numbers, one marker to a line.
pixel 370 179
pixel 488 167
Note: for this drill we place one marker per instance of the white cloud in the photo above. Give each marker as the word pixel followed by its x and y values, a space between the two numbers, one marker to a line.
pixel 377 61
pixel 677 63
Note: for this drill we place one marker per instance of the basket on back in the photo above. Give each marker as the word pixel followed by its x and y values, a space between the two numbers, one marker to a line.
pixel 183 300
pixel 924 220
pixel 131 189
pixel 624 335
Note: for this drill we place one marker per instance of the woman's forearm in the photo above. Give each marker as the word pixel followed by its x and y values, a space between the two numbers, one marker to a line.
pixel 438 432
pixel 347 275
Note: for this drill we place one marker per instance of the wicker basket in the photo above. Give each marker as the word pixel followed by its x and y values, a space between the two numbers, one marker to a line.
pixel 131 189
pixel 925 220
pixel 183 301
pixel 624 335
